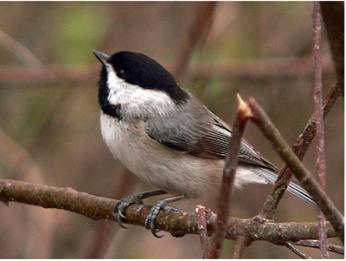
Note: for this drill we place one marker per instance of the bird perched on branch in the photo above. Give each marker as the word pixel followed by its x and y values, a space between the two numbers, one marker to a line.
pixel 167 137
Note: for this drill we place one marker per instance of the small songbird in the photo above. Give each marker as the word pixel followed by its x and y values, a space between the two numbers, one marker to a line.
pixel 167 137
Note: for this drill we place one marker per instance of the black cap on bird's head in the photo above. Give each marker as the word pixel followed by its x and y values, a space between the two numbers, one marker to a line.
pixel 140 70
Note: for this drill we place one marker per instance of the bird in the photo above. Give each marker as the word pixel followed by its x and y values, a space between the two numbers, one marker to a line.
pixel 167 137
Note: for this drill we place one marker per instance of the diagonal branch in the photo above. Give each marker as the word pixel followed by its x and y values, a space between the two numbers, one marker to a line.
pixel 295 250
pixel 21 51
pixel 333 17
pixel 300 147
pixel 199 29
pixel 33 64
pixel 231 163
pixel 299 170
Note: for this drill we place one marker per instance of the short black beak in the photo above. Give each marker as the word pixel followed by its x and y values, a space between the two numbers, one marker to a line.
pixel 103 57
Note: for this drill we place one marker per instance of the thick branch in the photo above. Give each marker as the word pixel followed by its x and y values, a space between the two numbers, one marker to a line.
pixel 178 224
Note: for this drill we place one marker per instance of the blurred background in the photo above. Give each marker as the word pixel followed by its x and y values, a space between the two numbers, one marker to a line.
pixel 49 114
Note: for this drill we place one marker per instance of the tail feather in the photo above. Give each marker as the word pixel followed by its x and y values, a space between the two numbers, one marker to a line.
pixel 301 193
pixel 293 188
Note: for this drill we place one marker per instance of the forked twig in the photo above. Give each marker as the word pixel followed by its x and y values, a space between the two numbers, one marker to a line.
pixel 300 147
pixel 300 171
pixel 333 16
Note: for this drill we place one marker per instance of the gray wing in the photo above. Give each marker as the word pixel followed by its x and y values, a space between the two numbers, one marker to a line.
pixel 199 132
pixel 217 140
pixel 193 129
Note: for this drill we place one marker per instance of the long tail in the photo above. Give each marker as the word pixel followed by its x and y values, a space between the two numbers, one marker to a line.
pixel 299 192
pixel 293 188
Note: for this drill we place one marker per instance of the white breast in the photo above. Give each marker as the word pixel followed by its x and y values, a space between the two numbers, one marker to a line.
pixel 157 165
pixel 164 168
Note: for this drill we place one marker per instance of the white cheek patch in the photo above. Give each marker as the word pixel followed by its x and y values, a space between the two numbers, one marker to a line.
pixel 135 99
pixel 115 85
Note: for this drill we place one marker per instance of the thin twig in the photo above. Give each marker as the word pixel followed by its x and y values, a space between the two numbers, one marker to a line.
pixel 14 155
pixel 318 114
pixel 318 110
pixel 300 148
pixel 240 244
pixel 296 251
pixel 103 235
pixel 21 51
pixel 316 244
pixel 231 163
pixel 333 17
pixel 302 144
pixel 247 68
pixel 196 33
pixel 202 216
pixel 299 170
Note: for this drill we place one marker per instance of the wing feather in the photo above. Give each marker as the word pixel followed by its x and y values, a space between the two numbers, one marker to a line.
pixel 201 134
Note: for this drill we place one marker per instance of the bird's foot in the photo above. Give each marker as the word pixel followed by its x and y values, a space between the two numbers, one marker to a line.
pixel 154 211
pixel 119 208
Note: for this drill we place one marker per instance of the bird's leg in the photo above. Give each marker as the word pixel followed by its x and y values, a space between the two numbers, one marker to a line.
pixel 133 199
pixel 154 211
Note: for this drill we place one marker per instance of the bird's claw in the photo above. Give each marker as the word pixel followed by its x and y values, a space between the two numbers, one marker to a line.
pixel 120 207
pixel 153 213
pixel 123 203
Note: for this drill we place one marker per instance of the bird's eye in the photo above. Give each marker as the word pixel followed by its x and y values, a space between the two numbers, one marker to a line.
pixel 121 73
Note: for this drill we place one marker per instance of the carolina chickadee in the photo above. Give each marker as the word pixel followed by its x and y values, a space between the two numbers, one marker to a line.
pixel 167 137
